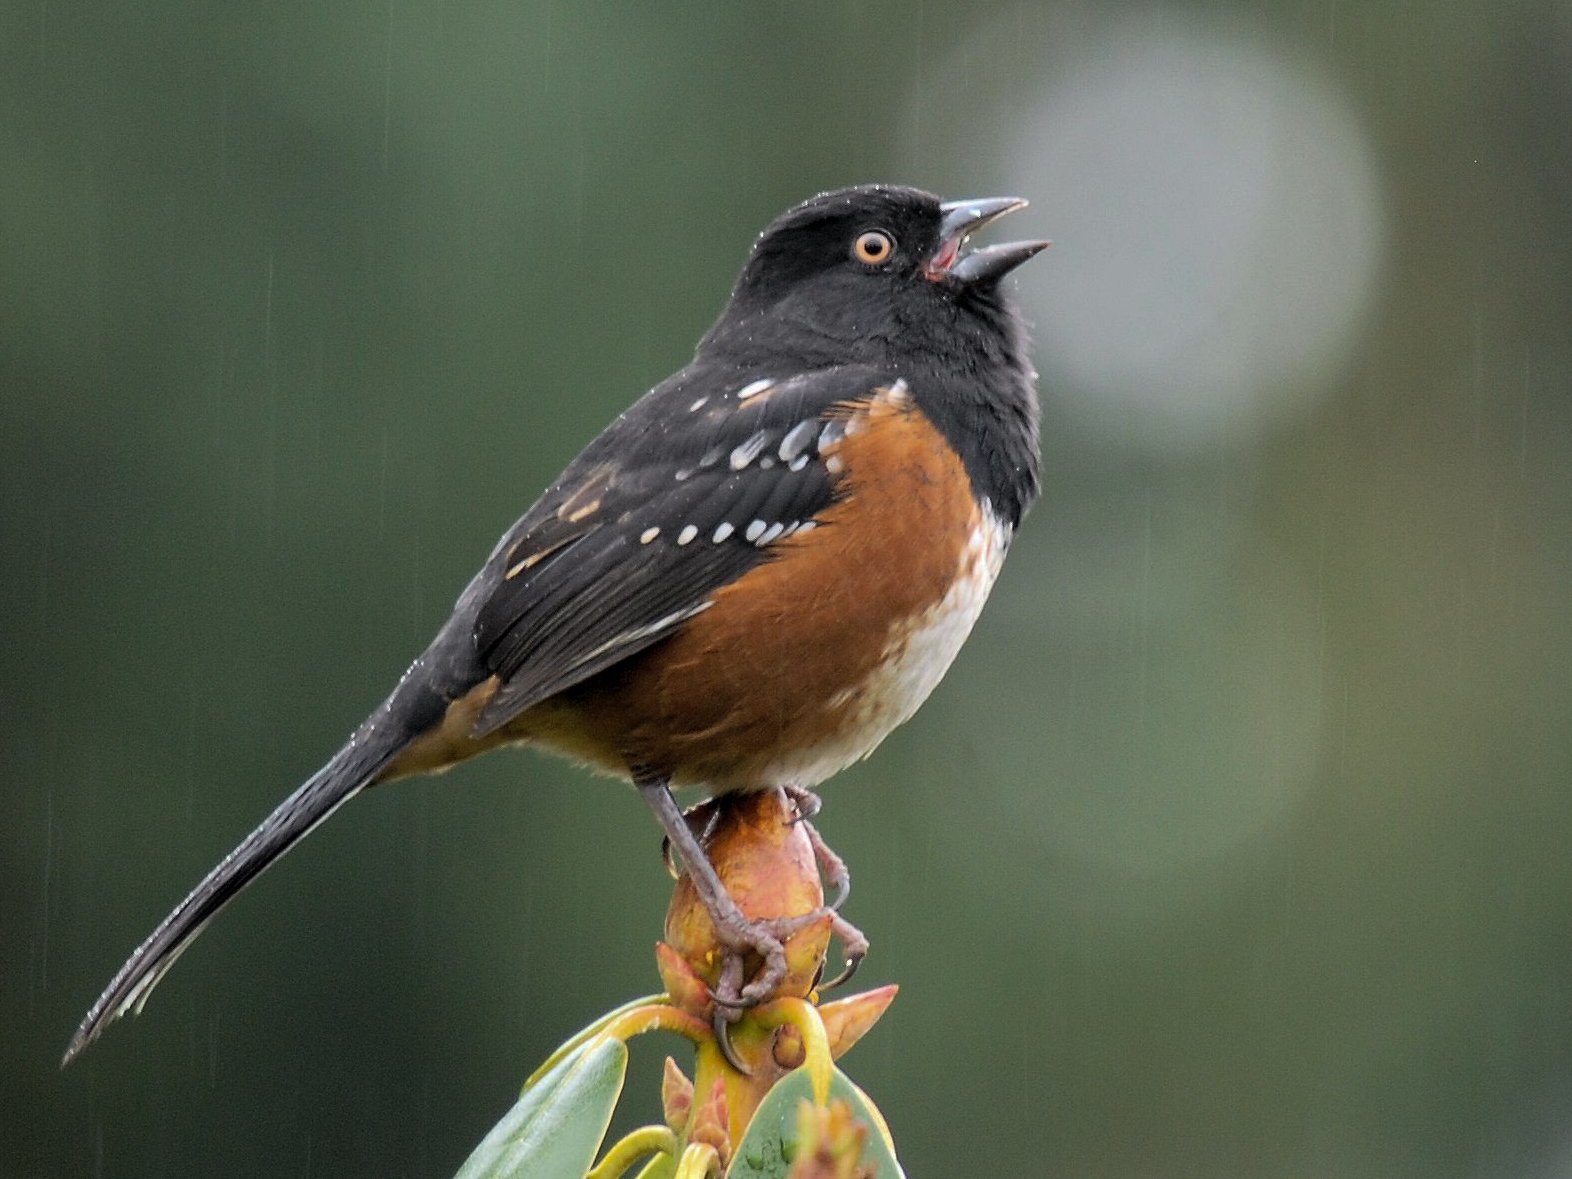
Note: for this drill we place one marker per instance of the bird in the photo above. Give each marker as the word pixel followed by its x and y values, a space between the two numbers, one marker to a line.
pixel 751 576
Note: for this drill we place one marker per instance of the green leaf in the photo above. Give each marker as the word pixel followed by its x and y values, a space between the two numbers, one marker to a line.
pixel 557 1126
pixel 767 1149
pixel 581 1037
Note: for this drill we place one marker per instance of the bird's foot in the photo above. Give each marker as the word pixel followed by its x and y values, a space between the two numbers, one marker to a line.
pixel 767 939
pixel 746 939
pixel 740 857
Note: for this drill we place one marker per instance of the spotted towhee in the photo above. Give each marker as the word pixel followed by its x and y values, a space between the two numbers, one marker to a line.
pixel 751 576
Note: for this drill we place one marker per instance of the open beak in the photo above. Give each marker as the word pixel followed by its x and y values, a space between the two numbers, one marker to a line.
pixel 961 219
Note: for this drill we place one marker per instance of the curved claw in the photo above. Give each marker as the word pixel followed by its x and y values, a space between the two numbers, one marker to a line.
pixel 728 1005
pixel 721 1026
pixel 845 976
pixel 855 943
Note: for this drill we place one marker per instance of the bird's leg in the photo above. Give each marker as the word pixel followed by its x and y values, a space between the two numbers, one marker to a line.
pixel 732 928
pixel 707 813
pixel 838 877
pixel 836 874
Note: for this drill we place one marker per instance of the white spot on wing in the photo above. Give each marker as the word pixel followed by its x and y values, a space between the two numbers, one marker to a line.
pixel 754 388
pixel 748 451
pixel 754 530
pixel 648 535
pixel 722 532
pixel 687 534
pixel 797 440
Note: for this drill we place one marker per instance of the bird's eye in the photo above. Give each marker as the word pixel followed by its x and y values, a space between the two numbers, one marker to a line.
pixel 873 248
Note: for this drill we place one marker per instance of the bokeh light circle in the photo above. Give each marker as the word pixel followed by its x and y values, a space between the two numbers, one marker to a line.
pixel 1218 226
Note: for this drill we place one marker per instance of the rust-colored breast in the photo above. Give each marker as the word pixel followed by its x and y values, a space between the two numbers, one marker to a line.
pixel 785 678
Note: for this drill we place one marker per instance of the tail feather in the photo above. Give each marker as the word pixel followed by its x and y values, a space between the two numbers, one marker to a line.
pixel 351 770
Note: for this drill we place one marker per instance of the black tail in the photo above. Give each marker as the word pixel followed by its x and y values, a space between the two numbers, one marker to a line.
pixel 351 770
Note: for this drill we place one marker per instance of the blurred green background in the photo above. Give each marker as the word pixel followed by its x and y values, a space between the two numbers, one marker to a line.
pixel 1235 844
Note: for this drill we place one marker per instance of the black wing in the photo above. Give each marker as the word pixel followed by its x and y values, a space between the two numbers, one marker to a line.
pixel 679 496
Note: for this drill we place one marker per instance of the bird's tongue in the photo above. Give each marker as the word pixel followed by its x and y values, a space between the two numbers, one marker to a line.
pixel 945 258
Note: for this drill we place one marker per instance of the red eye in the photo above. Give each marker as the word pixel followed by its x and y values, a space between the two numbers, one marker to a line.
pixel 873 248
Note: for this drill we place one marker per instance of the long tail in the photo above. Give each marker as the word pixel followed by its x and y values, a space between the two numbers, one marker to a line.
pixel 350 771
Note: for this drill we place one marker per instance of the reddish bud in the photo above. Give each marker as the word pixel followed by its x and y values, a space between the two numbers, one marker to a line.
pixel 711 1124
pixel 686 989
pixel 676 1096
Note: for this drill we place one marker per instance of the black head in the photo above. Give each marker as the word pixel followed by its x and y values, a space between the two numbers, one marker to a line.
pixel 871 273
pixel 880 276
